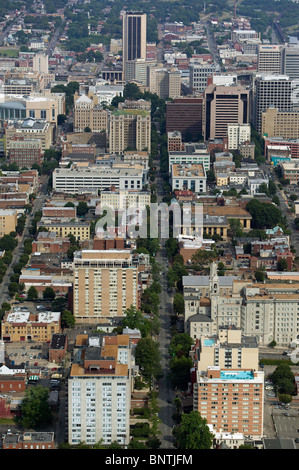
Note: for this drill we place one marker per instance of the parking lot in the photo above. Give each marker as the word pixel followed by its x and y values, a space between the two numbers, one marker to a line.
pixel 30 353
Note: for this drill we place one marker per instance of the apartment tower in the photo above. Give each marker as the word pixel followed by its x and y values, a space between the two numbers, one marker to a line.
pixel 105 284
pixel 99 388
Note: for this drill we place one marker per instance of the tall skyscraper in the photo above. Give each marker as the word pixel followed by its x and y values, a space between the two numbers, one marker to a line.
pixel 184 114
pixel 269 59
pixel 290 62
pixel 271 91
pixel 134 37
pixel 224 105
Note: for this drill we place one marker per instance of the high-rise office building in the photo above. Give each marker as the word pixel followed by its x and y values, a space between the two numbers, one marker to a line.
pixel 199 74
pixel 269 59
pixel 99 387
pixel 184 114
pixel 134 37
pixel 224 105
pixel 283 124
pixel 290 62
pixel 271 91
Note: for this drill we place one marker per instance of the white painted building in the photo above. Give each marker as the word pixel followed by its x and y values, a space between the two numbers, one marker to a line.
pixel 75 179
pixel 238 134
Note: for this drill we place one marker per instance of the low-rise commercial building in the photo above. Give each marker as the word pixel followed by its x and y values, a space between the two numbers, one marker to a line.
pixel 25 326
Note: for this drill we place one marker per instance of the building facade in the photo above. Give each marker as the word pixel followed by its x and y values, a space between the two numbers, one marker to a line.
pixel 105 284
pixel 134 37
pixel 232 400
pixel 224 105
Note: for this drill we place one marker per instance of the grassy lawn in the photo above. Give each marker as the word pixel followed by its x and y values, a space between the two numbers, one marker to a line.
pixel 7 421
pixel 9 52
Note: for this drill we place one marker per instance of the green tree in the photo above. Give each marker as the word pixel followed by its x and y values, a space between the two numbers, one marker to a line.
pixel 180 345
pixel 285 398
pixel 264 215
pixel 82 208
pixel 35 409
pixel 180 371
pixel 282 264
pixel 7 242
pixel 48 294
pixel 147 357
pixel 178 303
pixel 135 319
pixel 283 378
pixel 67 319
pixel 259 275
pixel 69 204
pixel 193 432
pixel 32 293
pixel 202 258
pixel 235 228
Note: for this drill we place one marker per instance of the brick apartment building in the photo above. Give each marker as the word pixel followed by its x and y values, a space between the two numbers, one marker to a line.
pixel 25 152
pixel 231 400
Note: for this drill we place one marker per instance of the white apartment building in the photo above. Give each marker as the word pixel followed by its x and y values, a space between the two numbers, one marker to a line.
pixel 238 134
pixel 123 199
pixel 100 390
pixel 237 178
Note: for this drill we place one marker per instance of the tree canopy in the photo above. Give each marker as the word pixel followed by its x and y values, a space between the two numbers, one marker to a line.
pixel 35 409
pixel 147 357
pixel 193 432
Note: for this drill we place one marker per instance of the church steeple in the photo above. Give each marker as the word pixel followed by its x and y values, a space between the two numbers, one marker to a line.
pixel 213 281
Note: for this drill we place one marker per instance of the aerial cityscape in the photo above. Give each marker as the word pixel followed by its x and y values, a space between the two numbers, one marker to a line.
pixel 149 226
